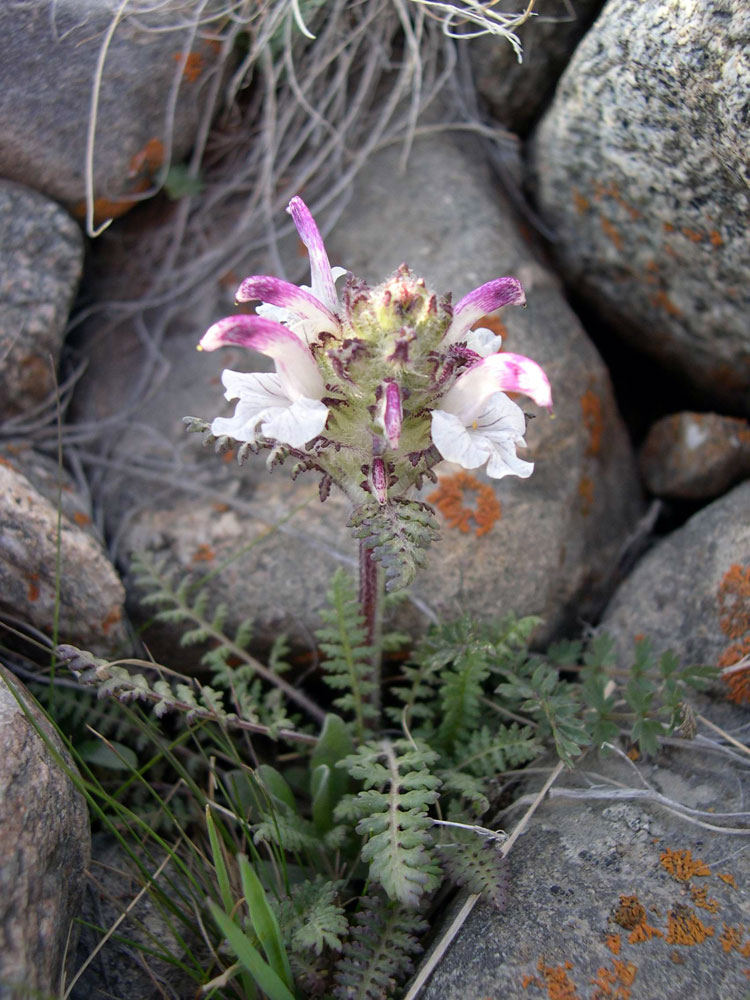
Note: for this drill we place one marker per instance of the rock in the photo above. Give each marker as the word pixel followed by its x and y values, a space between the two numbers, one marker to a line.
pixel 41 258
pixel 545 546
pixel 612 895
pixel 640 166
pixel 691 592
pixel 49 81
pixel 695 456
pixel 118 968
pixel 91 596
pixel 516 92
pixel 44 848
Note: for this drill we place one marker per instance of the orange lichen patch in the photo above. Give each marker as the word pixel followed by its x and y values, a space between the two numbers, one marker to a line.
pixel 113 617
pixel 625 971
pixel 668 227
pixel 643 932
pixel 715 238
pixel 493 323
pixel 685 927
pixel 591 408
pixel 32 591
pixel 586 493
pixel 229 456
pixel 528 980
pixel 682 866
pixel 728 878
pixel 613 942
pixel 450 498
pixel 614 982
pixel 582 204
pixel 609 231
pixel 699 896
pixel 558 983
pixel 733 597
pixel 662 301
pixel 148 159
pixel 194 65
pixel 737 681
pixel 204 553
pixel 631 914
pixel 612 191
pixel 633 753
pixel 731 938
pixel 693 235
pixel 107 208
pixel 81 519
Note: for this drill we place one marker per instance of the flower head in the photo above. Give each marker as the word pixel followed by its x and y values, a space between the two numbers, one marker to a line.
pixel 381 382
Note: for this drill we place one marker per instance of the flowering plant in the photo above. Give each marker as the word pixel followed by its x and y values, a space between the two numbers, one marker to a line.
pixel 374 387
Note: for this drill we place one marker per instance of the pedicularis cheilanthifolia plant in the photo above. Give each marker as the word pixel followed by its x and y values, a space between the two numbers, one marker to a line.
pixel 372 389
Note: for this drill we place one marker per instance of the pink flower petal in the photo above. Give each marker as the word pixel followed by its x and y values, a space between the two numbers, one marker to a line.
pixel 320 268
pixel 500 372
pixel 284 294
pixel 295 364
pixel 392 413
pixel 485 299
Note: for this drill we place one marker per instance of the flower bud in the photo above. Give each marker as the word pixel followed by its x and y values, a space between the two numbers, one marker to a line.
pixel 390 413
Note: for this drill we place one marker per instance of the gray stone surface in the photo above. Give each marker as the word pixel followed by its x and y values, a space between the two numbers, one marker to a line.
pixel 695 456
pixel 688 593
pixel 44 849
pixel 552 550
pixel 49 61
pixel 120 969
pixel 641 167
pixel 41 257
pixel 580 856
pixel 517 92
pixel 91 597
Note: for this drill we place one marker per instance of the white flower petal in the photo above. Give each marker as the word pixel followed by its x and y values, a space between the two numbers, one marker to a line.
pixel 457 443
pixel 492 437
pixel 297 424
pixel 264 408
pixel 482 341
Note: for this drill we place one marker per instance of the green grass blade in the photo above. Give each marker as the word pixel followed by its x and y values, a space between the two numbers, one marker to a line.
pixel 222 875
pixel 266 979
pixel 264 921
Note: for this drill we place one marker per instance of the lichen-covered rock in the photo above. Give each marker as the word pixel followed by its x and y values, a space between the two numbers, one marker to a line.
pixel 150 59
pixel 44 848
pixel 615 890
pixel 547 545
pixel 695 456
pixel 641 167
pixel 89 607
pixel 516 91
pixel 41 257
pixel 691 592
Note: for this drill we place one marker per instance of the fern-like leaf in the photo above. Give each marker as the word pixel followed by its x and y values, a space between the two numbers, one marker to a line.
pixel 478 865
pixel 398 533
pixel 383 941
pixel 392 810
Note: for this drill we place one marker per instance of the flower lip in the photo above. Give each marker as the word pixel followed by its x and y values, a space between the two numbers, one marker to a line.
pixel 323 287
pixel 284 294
pixel 482 300
pixel 294 361
pixel 500 372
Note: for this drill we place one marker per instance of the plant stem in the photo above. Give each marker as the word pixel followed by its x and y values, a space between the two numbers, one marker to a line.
pixel 371 590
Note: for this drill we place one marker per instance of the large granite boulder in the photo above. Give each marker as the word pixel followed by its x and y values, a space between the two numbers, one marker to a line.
pixel 140 71
pixel 691 592
pixel 44 848
pixel 75 592
pixel 41 258
pixel 631 881
pixel 545 546
pixel 641 167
